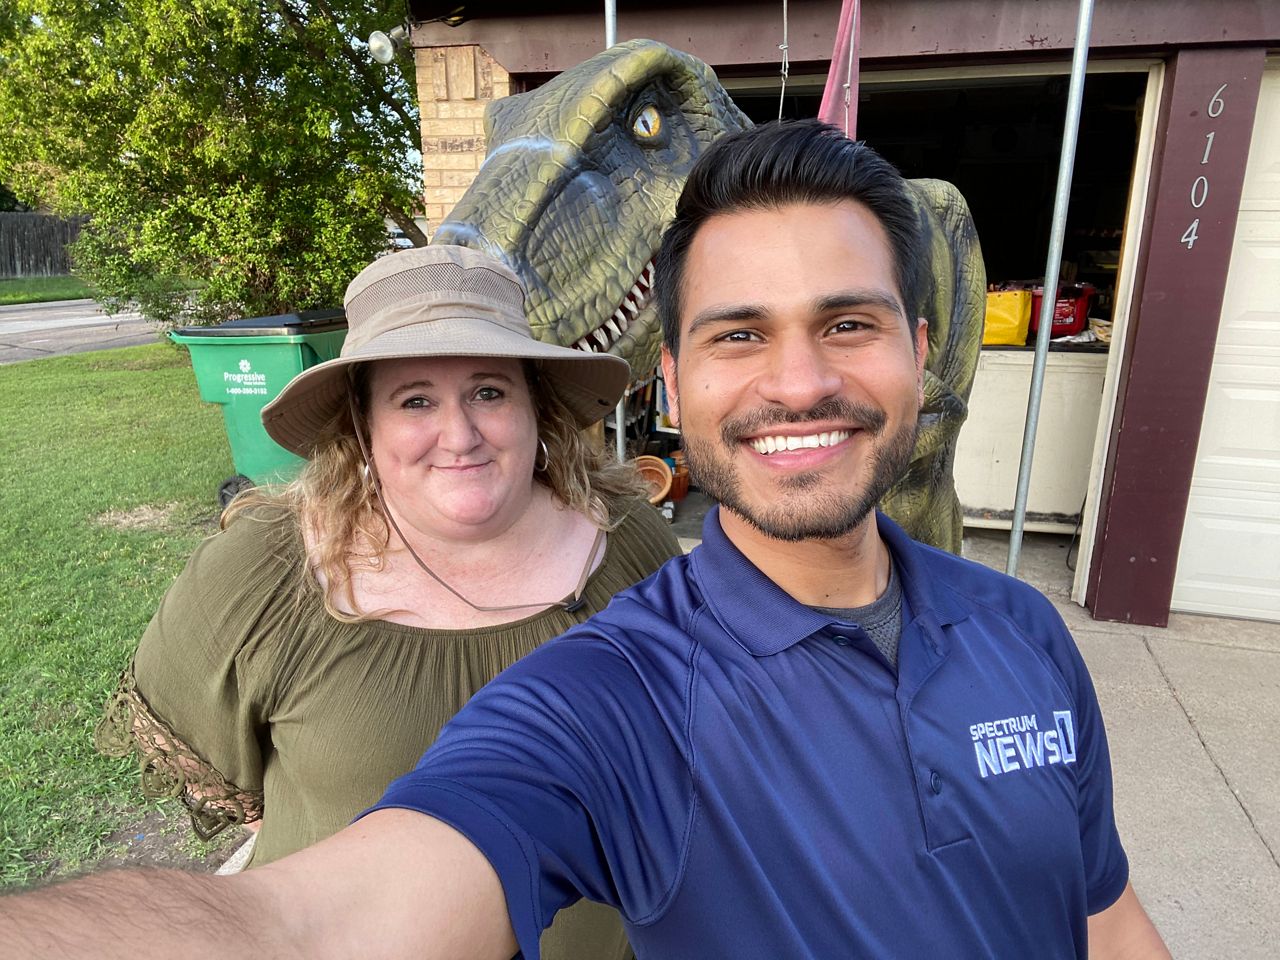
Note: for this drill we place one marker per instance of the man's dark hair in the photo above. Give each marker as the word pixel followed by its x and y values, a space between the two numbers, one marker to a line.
pixel 780 163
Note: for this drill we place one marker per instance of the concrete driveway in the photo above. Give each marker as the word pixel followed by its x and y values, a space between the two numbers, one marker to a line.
pixel 31 331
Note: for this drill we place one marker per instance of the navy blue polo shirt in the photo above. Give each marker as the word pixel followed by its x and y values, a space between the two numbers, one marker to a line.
pixel 742 776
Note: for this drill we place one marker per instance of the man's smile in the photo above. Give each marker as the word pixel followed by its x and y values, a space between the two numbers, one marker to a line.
pixel 771 444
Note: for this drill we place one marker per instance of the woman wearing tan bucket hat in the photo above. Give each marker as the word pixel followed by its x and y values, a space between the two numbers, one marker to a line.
pixel 311 651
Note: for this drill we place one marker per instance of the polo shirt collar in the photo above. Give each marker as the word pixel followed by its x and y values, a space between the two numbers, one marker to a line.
pixel 926 599
pixel 764 619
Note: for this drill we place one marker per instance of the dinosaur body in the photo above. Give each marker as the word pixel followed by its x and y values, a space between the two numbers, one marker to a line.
pixel 581 177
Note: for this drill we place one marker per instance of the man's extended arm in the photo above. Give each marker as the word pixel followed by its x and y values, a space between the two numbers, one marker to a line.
pixel 395 884
pixel 1123 931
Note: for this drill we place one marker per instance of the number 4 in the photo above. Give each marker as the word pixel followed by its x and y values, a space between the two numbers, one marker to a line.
pixel 1189 237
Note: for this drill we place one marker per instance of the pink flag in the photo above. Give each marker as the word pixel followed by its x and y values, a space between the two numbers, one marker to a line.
pixel 844 69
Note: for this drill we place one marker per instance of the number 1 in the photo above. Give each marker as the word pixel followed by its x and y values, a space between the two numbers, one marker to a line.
pixel 1207 147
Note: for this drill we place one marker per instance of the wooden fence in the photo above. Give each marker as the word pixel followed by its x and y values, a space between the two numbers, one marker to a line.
pixel 35 245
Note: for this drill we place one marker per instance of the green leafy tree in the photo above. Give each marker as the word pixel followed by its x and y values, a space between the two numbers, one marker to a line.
pixel 235 157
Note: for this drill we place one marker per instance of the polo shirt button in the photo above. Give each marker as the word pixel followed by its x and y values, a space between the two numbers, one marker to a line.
pixel 935 782
pixel 842 641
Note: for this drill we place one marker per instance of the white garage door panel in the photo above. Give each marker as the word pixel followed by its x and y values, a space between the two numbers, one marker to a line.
pixel 1229 560
pixel 1245 448
pixel 1252 525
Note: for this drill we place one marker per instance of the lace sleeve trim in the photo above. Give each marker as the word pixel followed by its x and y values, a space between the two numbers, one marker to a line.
pixel 169 767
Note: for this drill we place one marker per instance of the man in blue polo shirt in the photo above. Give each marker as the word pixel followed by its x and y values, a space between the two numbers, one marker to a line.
pixel 810 738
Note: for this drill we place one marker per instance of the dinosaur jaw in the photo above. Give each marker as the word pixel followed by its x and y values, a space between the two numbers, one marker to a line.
pixel 608 334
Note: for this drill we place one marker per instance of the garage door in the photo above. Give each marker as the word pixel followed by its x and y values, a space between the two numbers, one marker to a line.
pixel 1229 561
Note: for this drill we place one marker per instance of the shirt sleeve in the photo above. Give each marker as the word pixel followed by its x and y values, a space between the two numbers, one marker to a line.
pixel 190 705
pixel 564 773
pixel 1106 865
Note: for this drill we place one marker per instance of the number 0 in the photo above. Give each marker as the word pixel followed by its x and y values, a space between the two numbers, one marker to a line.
pixel 1189 238
pixel 1215 102
pixel 1199 188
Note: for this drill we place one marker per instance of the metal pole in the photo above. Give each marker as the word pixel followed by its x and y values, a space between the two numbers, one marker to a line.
pixel 620 412
pixel 1066 165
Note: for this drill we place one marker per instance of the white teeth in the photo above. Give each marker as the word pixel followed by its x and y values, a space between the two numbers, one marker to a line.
pixel 767 445
pixel 613 328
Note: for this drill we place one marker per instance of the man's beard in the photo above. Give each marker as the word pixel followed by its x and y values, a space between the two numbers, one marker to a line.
pixel 821 515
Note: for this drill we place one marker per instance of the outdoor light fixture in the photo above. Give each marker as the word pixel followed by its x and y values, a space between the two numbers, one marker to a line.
pixel 383 47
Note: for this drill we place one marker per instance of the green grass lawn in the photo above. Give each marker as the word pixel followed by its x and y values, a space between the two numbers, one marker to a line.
pixel 42 289
pixel 87 444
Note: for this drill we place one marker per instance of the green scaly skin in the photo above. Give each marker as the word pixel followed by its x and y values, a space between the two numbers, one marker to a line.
pixel 574 195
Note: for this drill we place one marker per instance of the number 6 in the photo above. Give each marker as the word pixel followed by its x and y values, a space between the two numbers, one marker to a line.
pixel 1215 102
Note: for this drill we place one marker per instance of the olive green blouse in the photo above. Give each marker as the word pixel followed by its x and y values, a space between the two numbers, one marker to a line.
pixel 247 697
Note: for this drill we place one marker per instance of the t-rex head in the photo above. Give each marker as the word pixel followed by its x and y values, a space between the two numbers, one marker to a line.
pixel 581 176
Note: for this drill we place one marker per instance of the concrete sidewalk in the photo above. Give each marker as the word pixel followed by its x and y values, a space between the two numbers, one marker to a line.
pixel 1193 717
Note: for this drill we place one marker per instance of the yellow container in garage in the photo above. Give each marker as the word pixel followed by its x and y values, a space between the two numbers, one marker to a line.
pixel 1008 317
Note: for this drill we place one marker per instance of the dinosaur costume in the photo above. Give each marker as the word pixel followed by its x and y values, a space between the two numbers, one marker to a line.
pixel 583 174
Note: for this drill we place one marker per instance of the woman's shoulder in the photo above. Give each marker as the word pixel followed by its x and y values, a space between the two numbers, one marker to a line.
pixel 253 536
pixel 642 534
pixel 258 554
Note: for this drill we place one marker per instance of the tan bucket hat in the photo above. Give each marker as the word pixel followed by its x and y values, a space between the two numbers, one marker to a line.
pixel 439 301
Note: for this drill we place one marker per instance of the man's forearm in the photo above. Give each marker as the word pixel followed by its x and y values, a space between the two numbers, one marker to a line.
pixel 142 913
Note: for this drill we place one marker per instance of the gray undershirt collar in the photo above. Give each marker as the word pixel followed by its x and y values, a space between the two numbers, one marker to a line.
pixel 881 619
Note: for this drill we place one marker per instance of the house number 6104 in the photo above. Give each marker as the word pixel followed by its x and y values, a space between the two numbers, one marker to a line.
pixel 1200 186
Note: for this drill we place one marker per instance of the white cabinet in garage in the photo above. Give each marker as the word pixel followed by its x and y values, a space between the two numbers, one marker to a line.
pixel 990 444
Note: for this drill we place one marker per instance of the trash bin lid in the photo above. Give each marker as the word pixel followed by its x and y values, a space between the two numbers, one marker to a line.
pixel 280 325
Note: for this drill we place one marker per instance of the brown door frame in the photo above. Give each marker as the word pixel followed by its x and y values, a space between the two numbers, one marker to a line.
pixel 1202 145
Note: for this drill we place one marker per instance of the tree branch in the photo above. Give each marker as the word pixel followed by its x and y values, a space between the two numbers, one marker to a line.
pixel 406 224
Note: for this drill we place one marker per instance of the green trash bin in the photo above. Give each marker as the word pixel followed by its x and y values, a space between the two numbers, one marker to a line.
pixel 242 365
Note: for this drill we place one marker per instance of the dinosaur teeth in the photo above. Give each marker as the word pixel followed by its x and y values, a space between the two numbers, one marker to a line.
pixel 633 302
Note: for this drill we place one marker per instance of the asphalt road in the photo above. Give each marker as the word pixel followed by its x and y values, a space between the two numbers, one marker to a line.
pixel 31 331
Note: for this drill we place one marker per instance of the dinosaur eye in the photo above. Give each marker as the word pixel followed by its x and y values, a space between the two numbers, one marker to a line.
pixel 648 123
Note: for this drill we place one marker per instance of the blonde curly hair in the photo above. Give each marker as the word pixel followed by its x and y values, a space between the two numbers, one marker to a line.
pixel 333 502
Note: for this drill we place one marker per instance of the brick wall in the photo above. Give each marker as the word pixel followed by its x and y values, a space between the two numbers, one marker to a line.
pixel 454 86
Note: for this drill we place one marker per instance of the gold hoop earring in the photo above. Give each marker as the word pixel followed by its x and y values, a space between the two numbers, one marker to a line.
pixel 546 457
